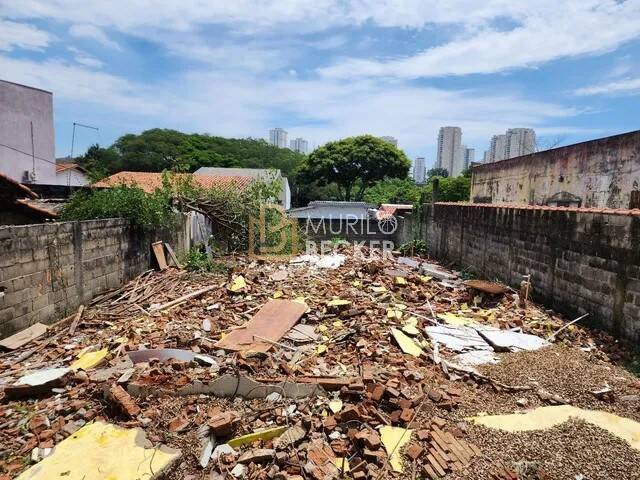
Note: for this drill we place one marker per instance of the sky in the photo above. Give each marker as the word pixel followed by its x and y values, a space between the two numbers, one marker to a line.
pixel 328 69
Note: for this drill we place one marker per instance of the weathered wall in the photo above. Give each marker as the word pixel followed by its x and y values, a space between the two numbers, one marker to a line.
pixel 601 173
pixel 19 106
pixel 48 270
pixel 580 260
pixel 355 230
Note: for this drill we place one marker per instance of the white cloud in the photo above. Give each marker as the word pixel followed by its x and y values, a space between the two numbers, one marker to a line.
pixel 76 83
pixel 83 58
pixel 20 35
pixel 93 33
pixel 628 86
pixel 570 28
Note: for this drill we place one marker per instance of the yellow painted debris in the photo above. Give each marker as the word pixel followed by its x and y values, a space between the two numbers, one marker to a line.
pixel 335 405
pixel 378 289
pixel 237 284
pixel 278 294
pixel 356 283
pixel 454 319
pixel 411 327
pixel 89 360
pixel 337 324
pixel 393 439
pixel 425 279
pixel 322 328
pixel 342 464
pixel 321 349
pixel 266 434
pixel 542 418
pixel 400 281
pixel 407 345
pixel 101 451
pixel 394 313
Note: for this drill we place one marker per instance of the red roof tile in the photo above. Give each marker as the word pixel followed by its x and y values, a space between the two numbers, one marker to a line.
pixel 150 181
pixel 63 166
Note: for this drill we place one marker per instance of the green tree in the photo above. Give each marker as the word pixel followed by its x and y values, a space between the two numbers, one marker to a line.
pixel 437 172
pixel 451 189
pixel 158 149
pixel 393 190
pixel 354 164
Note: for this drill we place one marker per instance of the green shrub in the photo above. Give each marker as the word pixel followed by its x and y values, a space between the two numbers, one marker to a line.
pixel 414 247
pixel 199 261
pixel 121 201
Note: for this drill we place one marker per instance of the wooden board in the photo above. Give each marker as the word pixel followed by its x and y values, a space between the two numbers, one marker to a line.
pixel 23 337
pixel 272 321
pixel 158 251
pixel 172 255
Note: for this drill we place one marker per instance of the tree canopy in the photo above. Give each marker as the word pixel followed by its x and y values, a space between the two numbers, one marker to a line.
pixel 162 149
pixel 354 164
pixel 437 172
pixel 394 190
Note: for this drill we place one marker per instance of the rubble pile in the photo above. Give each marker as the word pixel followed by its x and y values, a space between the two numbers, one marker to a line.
pixel 317 368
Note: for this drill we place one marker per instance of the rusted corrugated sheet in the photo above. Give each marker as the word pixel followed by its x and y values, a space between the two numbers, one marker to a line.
pixel 272 321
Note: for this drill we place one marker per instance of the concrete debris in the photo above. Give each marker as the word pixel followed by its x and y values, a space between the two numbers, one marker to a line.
pixel 324 367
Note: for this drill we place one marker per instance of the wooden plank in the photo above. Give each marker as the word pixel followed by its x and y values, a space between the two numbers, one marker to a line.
pixel 76 320
pixel 25 336
pixel 158 251
pixel 436 465
pixel 429 471
pixel 272 321
pixel 439 459
pixel 172 255
pixel 441 452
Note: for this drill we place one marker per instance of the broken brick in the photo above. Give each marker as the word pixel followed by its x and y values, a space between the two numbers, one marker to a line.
pixel 123 400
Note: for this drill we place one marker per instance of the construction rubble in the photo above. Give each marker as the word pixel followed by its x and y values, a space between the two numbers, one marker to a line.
pixel 316 369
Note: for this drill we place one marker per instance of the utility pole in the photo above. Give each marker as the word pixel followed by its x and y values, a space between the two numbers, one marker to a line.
pixel 73 135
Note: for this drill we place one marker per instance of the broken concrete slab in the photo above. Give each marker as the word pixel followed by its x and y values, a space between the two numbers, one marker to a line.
pixel 436 271
pixel 231 385
pixel 457 338
pixel 37 383
pixel 257 455
pixel 101 451
pixel 509 341
pixel 302 333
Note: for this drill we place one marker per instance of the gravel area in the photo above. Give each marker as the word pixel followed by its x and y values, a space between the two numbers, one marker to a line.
pixel 565 371
pixel 564 452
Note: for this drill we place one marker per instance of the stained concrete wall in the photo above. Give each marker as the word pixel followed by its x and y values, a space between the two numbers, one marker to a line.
pixel 19 106
pixel 601 173
pixel 580 260
pixel 48 270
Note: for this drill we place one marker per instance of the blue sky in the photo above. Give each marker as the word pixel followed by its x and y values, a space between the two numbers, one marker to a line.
pixel 326 69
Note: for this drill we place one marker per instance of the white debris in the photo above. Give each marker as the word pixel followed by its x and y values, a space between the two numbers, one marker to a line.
pixel 507 340
pixel 476 357
pixel 220 450
pixel 457 338
pixel 239 470
pixel 273 397
pixel 42 377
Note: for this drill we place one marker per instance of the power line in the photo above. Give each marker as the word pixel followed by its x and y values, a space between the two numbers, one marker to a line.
pixel 27 154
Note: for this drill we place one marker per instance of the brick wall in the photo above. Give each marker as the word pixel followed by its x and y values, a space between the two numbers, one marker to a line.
pixel 580 260
pixel 48 270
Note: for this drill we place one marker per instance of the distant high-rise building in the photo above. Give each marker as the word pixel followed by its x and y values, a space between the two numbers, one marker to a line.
pixel 485 157
pixel 450 155
pixel 419 170
pixel 469 156
pixel 497 150
pixel 278 137
pixel 392 140
pixel 520 141
pixel 299 145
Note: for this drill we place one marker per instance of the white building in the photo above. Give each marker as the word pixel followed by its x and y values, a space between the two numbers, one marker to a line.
pixel 419 170
pixel 27 153
pixel 299 145
pixel 469 156
pixel 392 140
pixel 450 154
pixel 278 137
pixel 497 149
pixel 520 141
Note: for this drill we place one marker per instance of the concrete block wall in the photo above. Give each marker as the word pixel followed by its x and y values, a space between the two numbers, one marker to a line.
pixel 48 270
pixel 580 260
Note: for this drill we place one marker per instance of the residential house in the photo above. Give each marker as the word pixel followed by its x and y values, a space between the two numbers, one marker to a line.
pixel 264 174
pixel 71 174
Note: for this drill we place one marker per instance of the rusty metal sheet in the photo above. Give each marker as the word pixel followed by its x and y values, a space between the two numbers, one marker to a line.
pixel 272 322
pixel 491 288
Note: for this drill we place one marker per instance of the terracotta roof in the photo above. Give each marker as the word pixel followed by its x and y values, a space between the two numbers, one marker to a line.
pixel 546 208
pixel 150 181
pixel 389 209
pixel 63 166
pixel 10 188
